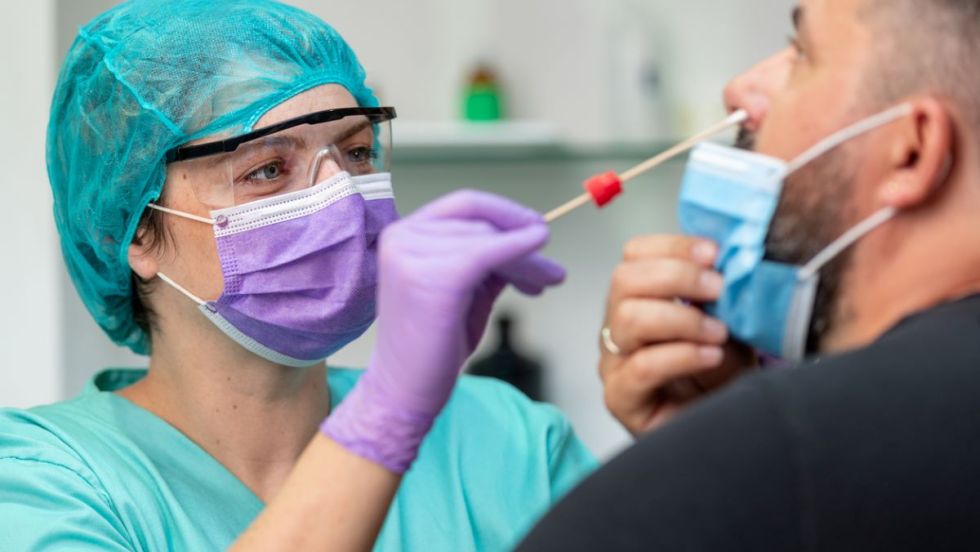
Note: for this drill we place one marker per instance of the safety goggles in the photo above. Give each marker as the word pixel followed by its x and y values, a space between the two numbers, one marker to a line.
pixel 289 156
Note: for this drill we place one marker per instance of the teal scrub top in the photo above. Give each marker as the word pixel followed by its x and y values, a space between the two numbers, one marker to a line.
pixel 100 473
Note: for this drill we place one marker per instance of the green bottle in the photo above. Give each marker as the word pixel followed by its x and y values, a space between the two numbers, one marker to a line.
pixel 482 101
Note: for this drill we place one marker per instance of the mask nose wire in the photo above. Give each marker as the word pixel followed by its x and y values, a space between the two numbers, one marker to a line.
pixel 846 134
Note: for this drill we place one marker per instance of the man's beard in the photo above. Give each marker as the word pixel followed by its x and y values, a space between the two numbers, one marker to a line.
pixel 815 209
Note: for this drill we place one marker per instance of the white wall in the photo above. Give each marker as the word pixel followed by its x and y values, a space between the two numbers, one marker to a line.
pixel 556 57
pixel 558 60
pixel 30 333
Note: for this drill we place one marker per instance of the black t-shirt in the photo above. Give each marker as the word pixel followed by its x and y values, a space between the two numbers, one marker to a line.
pixel 878 449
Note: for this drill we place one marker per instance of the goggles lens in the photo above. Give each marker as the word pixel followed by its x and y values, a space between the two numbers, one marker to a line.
pixel 291 159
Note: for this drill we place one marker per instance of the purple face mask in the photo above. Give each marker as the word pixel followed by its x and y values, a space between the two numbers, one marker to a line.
pixel 300 269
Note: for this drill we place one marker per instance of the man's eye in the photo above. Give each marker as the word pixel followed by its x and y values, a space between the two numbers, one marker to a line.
pixel 797 47
pixel 269 171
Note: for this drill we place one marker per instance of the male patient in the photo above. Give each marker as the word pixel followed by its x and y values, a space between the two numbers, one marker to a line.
pixel 874 443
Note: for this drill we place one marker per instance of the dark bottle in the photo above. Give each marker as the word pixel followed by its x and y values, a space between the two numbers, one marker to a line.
pixel 507 364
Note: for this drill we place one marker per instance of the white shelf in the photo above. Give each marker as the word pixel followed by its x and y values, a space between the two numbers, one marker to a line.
pixel 461 134
pixel 421 142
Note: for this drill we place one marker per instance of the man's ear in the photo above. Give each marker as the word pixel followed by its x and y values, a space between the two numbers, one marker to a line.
pixel 141 258
pixel 920 155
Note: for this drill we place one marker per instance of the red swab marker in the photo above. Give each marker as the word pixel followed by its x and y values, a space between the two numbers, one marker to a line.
pixel 604 187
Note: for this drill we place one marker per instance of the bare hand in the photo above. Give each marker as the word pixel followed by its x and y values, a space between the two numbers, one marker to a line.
pixel 670 352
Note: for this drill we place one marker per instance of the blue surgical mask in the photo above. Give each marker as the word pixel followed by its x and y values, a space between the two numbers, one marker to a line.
pixel 730 196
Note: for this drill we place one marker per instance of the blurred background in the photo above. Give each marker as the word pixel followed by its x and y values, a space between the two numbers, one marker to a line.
pixel 522 97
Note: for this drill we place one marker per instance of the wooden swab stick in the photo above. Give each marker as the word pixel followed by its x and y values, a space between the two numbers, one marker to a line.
pixel 594 192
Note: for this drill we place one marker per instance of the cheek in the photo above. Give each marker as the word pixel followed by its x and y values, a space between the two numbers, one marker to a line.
pixel 196 260
pixel 815 102
pixel 192 253
pixel 798 119
pixel 784 133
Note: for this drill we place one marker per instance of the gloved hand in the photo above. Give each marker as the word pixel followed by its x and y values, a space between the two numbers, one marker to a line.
pixel 440 271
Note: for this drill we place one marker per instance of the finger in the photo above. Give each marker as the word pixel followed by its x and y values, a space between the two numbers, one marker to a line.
pixel 682 390
pixel 483 300
pixel 701 251
pixel 496 250
pixel 533 273
pixel 656 367
pixel 636 323
pixel 475 205
pixel 738 360
pixel 666 279
pixel 636 387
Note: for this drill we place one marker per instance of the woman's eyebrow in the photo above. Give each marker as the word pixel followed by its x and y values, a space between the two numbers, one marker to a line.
pixel 274 140
pixel 352 131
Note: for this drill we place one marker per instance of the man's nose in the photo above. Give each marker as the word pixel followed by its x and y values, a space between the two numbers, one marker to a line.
pixel 755 89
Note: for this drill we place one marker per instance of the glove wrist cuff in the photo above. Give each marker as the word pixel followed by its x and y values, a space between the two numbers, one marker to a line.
pixel 371 427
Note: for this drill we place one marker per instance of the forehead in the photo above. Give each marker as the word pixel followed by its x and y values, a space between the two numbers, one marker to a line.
pixel 825 13
pixel 836 37
pixel 327 96
pixel 321 98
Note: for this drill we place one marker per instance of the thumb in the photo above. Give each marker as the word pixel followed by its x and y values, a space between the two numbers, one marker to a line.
pixel 531 274
pixel 500 248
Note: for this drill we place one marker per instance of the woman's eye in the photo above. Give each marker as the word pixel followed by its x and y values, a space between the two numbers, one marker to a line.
pixel 361 155
pixel 269 171
pixel 797 47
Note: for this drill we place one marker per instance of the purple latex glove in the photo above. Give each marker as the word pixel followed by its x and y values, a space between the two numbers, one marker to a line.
pixel 440 270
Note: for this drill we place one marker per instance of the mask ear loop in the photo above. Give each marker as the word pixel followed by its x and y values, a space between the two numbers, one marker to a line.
pixel 847 134
pixel 867 225
pixel 181 289
pixel 182 214
pixel 848 239
pixel 164 277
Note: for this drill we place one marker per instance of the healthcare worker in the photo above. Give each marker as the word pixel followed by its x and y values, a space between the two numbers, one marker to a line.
pixel 221 186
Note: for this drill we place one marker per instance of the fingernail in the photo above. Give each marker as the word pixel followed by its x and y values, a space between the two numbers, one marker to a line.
pixel 711 356
pixel 713 330
pixel 704 252
pixel 711 284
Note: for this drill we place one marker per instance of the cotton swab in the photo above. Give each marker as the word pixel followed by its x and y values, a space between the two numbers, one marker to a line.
pixel 601 189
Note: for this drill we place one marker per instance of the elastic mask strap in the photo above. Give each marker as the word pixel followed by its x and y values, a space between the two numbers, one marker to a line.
pixel 182 214
pixel 181 289
pixel 848 239
pixel 847 134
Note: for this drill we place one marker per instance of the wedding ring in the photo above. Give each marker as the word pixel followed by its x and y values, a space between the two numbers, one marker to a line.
pixel 608 344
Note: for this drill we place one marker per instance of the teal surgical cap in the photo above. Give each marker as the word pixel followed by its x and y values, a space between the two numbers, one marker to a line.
pixel 149 75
